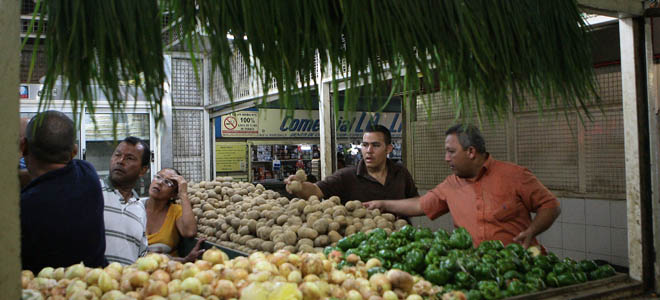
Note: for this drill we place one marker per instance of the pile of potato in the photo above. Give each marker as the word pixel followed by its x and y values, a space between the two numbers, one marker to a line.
pixel 249 218
pixel 278 276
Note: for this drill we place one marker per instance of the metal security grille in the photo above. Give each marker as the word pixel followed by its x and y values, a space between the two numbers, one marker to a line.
pixel 188 144
pixel 430 168
pixel 39 66
pixel 604 153
pixel 185 85
pixel 609 84
pixel 434 106
pixel 548 147
pixel 241 82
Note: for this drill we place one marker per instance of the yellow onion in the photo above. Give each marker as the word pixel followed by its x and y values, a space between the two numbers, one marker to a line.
pixel 26 277
pixel 173 266
pixel 373 262
pixel 112 295
pixel 353 295
pixel 225 289
pixel 132 295
pixel 286 268
pixel 414 297
pixel 380 283
pixel 213 255
pixel 58 273
pixel 114 274
pixel 42 284
pixel 337 276
pixel 189 270
pixel 203 265
pixel 177 274
pixel 155 297
pixel 147 263
pixel 105 282
pixel 295 276
pixel 192 285
pixel 82 295
pixel 311 278
pixel 75 271
pixel 160 275
pixel 115 266
pixel 92 276
pixel 138 278
pixel 312 264
pixel 75 286
pixel 259 276
pixel 158 288
pixel 174 286
pixel 264 265
pixel 400 279
pixel 46 272
pixel 295 260
pixel 254 291
pixel 256 257
pixel 207 290
pixel 205 277
pixel 337 292
pixel 125 285
pixel 279 257
pixel 241 263
pixel 95 290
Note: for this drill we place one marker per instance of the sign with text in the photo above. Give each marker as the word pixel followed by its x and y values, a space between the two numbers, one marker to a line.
pixel 305 124
pixel 230 157
pixel 240 124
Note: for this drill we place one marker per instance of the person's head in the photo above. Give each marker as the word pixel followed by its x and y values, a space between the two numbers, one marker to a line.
pixel 50 137
pixel 21 133
pixel 376 145
pixel 340 161
pixel 164 186
pixel 129 161
pixel 465 148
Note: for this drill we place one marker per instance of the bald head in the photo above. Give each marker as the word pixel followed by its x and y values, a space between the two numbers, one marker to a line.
pixel 51 137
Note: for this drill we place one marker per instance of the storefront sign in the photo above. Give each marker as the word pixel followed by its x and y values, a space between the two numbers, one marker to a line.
pixel 230 157
pixel 24 92
pixel 302 123
pixel 240 124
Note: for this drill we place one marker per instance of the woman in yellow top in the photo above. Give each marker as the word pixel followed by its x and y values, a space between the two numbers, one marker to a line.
pixel 167 222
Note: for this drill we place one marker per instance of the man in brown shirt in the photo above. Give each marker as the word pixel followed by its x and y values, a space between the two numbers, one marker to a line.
pixel 375 176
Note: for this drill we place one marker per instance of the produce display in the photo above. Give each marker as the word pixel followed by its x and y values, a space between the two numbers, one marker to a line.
pixel 249 218
pixel 490 271
pixel 278 276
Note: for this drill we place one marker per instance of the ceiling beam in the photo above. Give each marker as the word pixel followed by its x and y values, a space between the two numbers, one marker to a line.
pixel 613 8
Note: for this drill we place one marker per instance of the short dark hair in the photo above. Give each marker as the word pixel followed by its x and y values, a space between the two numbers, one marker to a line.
pixel 382 129
pixel 468 136
pixel 146 154
pixel 51 137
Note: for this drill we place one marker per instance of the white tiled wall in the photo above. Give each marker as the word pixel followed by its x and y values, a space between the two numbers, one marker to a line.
pixel 586 228
pixel 589 228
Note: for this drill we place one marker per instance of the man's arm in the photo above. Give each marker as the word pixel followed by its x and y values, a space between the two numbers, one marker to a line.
pixel 406 207
pixel 186 224
pixel 308 189
pixel 543 220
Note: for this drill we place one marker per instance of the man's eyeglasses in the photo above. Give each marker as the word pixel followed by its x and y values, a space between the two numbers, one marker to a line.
pixel 164 180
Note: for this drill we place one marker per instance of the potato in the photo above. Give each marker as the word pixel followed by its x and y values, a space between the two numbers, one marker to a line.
pixel 350 230
pixel 321 241
pixel 253 215
pixel 294 220
pixel 398 224
pixel 252 226
pixel 306 232
pixel 321 226
pixel 389 217
pixel 306 248
pixel 301 176
pixel 334 236
pixel 305 241
pixel 360 213
pixel 289 237
pixel 341 220
pixel 294 187
pixel 279 246
pixel 334 199
pixel 290 248
pixel 268 246
pixel 236 198
pixel 339 211
pixel 333 226
pixel 243 230
pixel 254 243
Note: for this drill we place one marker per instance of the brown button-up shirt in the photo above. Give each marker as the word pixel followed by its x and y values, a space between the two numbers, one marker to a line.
pixel 355 183
pixel 494 206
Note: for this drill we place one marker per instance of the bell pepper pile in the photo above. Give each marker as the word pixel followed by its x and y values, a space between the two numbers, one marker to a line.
pixel 490 271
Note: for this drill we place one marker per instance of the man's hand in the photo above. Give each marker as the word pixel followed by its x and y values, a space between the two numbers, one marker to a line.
pixel 376 204
pixel 195 252
pixel 525 238
pixel 290 179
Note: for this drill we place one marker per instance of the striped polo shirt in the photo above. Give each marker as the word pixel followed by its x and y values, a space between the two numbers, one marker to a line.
pixel 125 226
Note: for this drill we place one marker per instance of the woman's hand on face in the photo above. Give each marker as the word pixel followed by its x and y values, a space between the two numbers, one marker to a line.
pixel 182 185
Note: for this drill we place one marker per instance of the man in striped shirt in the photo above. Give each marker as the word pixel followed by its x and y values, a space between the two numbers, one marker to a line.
pixel 124 213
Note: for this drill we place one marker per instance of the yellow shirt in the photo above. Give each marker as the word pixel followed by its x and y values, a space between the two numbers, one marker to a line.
pixel 167 238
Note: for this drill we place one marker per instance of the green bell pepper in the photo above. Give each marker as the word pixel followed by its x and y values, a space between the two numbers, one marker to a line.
pixel 397 265
pixel 535 284
pixel 474 295
pixel 561 268
pixel 543 262
pixel 409 231
pixel 423 233
pixel 488 259
pixel 329 249
pixel 489 289
pixel 587 265
pixel 464 280
pixel 402 250
pixel 460 239
pixel 436 275
pixel 375 270
pixel 553 258
pixel 414 260
pixel 505 264
pixel 468 263
pixel 603 271
pixel 551 279
pixel 484 271
pixel 567 278
pixel 516 248
pixel 387 254
pixel 441 235
pixel 538 272
pixel 378 233
pixel 345 244
pixel 512 274
pixel 435 253
pixel 449 263
pixel 581 276
pixel 516 287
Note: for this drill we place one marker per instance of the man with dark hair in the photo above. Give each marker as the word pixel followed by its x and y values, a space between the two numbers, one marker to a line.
pixel 492 199
pixel 62 208
pixel 375 177
pixel 125 215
